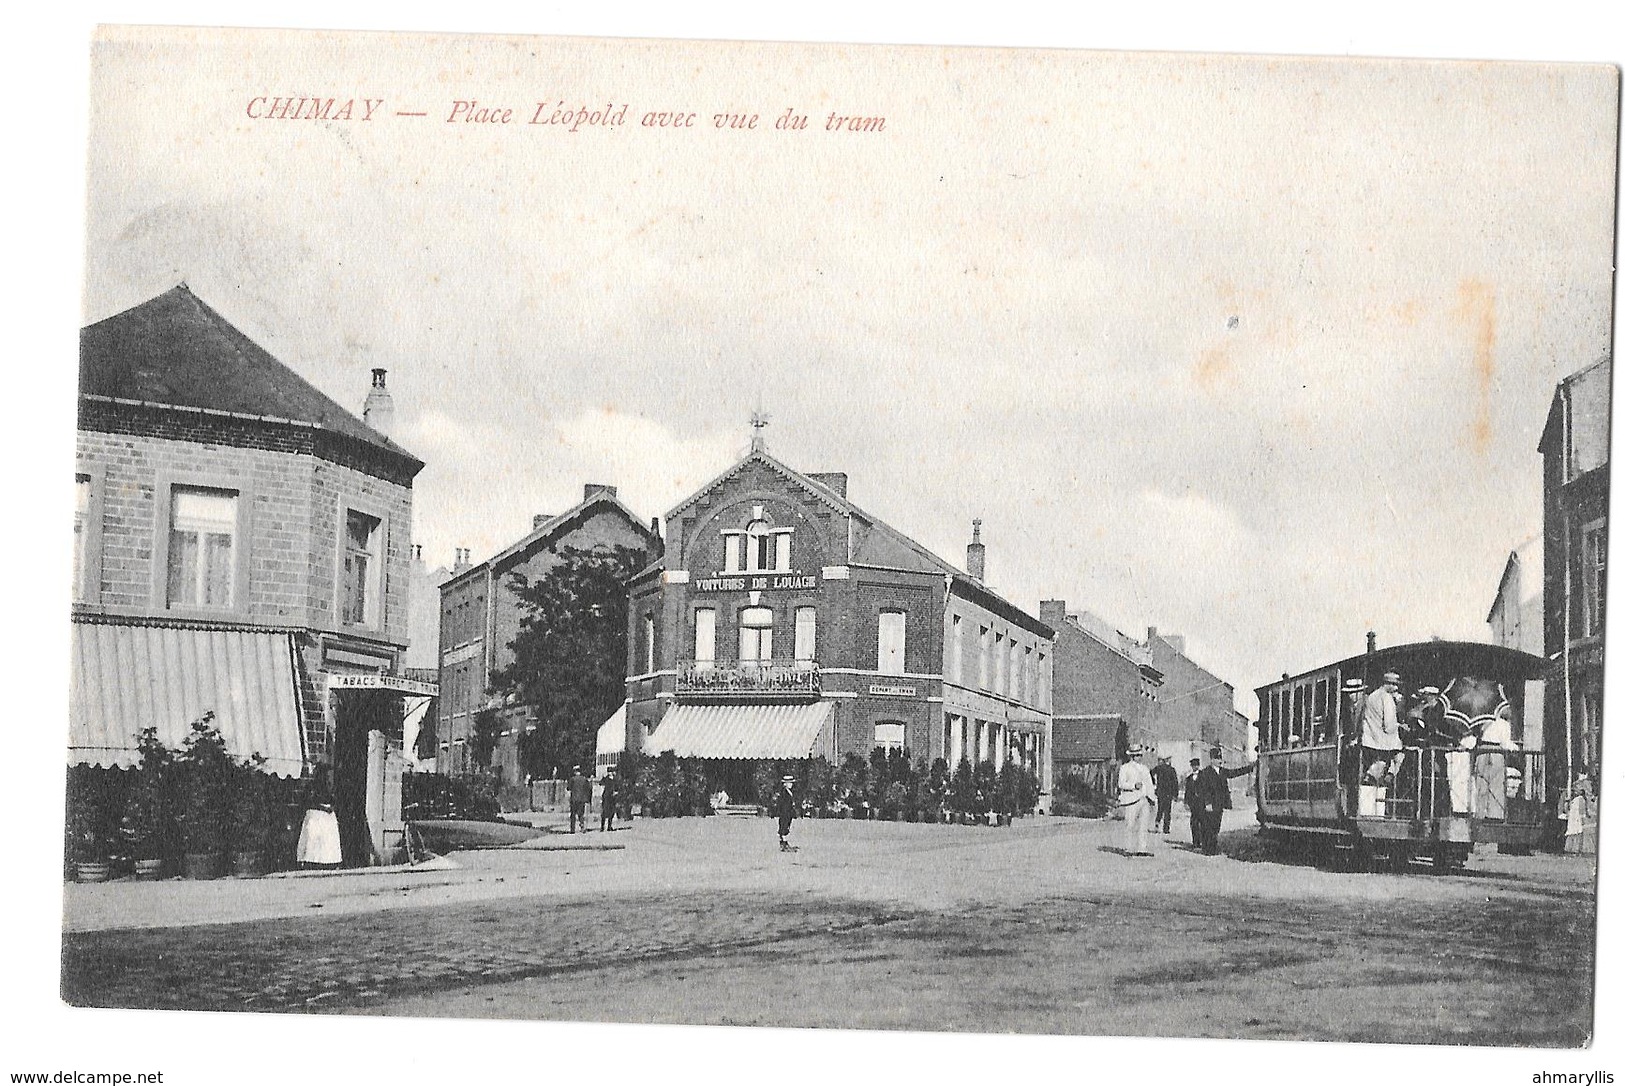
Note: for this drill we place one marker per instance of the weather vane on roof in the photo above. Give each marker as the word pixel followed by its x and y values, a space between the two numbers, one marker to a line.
pixel 758 422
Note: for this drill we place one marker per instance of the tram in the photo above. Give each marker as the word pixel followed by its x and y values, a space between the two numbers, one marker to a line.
pixel 1471 769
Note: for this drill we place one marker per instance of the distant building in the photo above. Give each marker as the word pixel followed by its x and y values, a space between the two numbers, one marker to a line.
pixel 1157 695
pixel 786 623
pixel 240 547
pixel 423 656
pixel 480 615
pixel 1574 448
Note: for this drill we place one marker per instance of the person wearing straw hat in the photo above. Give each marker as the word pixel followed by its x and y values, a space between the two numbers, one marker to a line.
pixel 784 806
pixel 1134 796
pixel 1380 745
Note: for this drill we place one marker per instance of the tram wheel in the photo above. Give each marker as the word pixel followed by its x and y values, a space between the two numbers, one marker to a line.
pixel 1448 858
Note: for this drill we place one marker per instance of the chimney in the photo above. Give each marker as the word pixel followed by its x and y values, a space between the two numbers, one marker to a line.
pixel 462 561
pixel 379 410
pixel 976 552
pixel 1150 634
pixel 834 481
pixel 1371 641
pixel 1052 613
pixel 596 488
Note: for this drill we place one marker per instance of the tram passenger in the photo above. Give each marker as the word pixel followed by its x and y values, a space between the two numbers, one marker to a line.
pixel 1431 731
pixel 1349 755
pixel 1380 746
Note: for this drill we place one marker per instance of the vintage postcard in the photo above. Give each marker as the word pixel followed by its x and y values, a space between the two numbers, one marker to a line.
pixel 852 537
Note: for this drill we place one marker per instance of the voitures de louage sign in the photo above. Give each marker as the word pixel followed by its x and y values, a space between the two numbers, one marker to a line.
pixel 756 582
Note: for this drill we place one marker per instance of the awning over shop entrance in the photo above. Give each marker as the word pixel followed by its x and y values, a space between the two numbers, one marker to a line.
pixel 125 678
pixel 740 731
pixel 612 734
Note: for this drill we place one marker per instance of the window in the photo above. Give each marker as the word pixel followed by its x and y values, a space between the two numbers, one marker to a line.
pixel 983 643
pixel 893 632
pixel 1043 685
pixel 648 642
pixel 781 554
pixel 957 640
pixel 81 532
pixel 1014 689
pixel 1029 680
pixel 705 638
pixel 999 677
pixel 756 635
pixel 1594 576
pixel 358 603
pixel 889 734
pixel 202 531
pixel 806 636
pixel 731 545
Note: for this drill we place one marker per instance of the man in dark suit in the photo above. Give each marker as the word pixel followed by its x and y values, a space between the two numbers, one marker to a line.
pixel 1165 785
pixel 606 815
pixel 1190 802
pixel 580 796
pixel 1213 798
pixel 785 806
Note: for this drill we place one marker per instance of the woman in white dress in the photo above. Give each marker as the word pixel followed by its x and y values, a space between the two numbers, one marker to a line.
pixel 319 833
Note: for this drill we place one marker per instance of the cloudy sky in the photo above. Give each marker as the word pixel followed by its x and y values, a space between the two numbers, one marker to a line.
pixel 1254 350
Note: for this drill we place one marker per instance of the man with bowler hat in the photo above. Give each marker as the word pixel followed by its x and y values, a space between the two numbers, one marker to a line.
pixel 1190 801
pixel 1213 798
pixel 606 818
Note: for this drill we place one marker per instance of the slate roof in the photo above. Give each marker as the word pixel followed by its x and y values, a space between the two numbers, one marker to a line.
pixel 175 351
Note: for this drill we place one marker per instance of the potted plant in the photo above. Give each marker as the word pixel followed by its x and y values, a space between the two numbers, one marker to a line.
pixel 205 801
pixel 87 846
pixel 250 817
pixel 147 828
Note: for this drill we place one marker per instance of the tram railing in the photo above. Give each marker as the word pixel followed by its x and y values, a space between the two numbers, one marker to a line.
pixel 1489 783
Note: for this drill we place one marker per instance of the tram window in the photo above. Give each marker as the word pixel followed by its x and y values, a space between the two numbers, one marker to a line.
pixel 1299 711
pixel 1320 699
pixel 1278 717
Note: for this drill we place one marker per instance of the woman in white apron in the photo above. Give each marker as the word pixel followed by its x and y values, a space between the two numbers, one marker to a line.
pixel 319 833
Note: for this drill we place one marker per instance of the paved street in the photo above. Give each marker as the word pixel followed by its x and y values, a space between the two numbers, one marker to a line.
pixel 1033 928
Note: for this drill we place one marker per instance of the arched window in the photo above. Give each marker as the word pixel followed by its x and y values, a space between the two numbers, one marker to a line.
pixel 889 734
pixel 756 635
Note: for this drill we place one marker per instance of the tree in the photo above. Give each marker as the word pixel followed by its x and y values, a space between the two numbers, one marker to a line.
pixel 483 743
pixel 569 657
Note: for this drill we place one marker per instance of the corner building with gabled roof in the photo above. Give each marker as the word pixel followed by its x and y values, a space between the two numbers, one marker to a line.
pixel 785 623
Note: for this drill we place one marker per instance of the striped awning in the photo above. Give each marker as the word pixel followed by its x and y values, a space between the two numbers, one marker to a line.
pixel 125 678
pixel 740 731
pixel 612 733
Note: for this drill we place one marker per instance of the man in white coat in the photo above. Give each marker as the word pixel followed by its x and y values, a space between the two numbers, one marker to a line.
pixel 1134 796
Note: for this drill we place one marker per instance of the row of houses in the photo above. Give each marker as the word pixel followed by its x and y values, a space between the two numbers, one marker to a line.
pixel 777 620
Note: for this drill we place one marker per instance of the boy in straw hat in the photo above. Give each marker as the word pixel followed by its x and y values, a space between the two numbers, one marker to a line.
pixel 1134 796
pixel 784 808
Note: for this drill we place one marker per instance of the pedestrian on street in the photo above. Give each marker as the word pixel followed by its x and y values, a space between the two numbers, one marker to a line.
pixel 1134 797
pixel 580 796
pixel 1165 780
pixel 784 806
pixel 1190 802
pixel 319 832
pixel 606 819
pixel 1213 798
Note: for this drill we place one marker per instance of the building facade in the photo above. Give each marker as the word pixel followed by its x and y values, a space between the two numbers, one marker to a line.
pixel 785 623
pixel 240 547
pixel 480 615
pixel 1574 451
pixel 1108 684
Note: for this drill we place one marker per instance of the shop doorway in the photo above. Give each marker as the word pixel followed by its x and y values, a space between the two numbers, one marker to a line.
pixel 357 713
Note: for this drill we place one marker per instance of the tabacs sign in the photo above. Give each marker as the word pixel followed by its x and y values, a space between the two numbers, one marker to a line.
pixel 756 582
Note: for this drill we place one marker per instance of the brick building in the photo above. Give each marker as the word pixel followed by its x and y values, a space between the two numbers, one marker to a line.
pixel 785 623
pixel 1574 448
pixel 1149 691
pixel 480 615
pixel 240 547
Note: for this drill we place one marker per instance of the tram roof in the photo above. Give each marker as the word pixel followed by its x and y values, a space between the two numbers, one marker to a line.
pixel 1429 656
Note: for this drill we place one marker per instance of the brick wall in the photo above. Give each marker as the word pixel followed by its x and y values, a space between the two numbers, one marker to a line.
pixel 291 501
